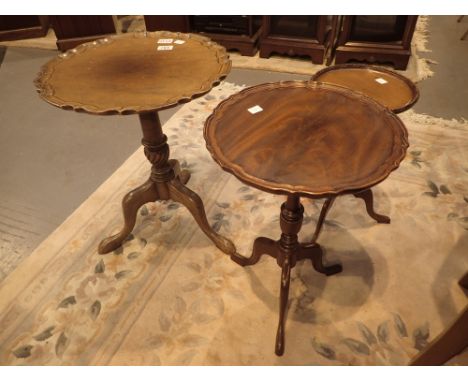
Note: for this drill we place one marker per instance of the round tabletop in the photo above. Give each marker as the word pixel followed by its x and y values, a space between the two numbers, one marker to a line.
pixel 133 73
pixel 307 138
pixel 389 88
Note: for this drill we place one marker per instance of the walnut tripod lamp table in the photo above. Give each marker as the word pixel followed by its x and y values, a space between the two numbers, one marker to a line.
pixel 387 87
pixel 141 74
pixel 303 139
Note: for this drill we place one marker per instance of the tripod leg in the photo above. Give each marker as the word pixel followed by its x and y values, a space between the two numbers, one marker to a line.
pixel 284 294
pixel 323 214
pixel 315 253
pixel 130 204
pixel 368 198
pixel 182 194
pixel 262 246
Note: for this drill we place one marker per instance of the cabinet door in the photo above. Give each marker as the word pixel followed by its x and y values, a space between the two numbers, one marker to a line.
pixel 167 23
pixel 384 29
pixel 21 27
pixel 75 30
pixel 68 27
pixel 303 27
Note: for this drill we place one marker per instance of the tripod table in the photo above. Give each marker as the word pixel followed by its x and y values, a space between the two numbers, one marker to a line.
pixel 141 73
pixel 387 87
pixel 302 139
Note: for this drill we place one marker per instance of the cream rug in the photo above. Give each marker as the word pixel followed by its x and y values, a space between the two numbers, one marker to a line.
pixel 169 297
pixel 417 70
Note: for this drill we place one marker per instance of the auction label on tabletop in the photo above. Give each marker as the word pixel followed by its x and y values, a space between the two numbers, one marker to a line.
pixel 255 109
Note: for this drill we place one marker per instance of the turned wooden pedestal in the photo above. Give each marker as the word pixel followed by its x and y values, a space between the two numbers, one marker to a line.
pixel 167 181
pixel 287 251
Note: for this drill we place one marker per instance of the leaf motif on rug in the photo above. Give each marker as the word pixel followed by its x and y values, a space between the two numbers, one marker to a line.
pixel 385 345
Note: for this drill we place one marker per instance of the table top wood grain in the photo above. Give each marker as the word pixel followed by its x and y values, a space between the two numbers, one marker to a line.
pixel 126 74
pixel 311 139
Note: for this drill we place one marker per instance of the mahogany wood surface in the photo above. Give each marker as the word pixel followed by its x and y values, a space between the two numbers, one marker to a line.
pixel 313 139
pixel 128 74
pixel 398 93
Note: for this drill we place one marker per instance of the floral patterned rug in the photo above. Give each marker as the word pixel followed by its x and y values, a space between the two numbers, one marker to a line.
pixel 170 297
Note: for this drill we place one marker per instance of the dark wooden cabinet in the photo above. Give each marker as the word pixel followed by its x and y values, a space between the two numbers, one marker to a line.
pixel 374 39
pixel 240 33
pixel 167 23
pixel 75 30
pixel 382 39
pixel 296 36
pixel 21 27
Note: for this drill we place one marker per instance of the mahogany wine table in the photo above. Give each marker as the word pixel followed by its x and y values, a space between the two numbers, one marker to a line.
pixel 387 87
pixel 303 139
pixel 141 74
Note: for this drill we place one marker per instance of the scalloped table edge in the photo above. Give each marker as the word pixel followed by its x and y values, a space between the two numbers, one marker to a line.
pixel 46 93
pixel 281 188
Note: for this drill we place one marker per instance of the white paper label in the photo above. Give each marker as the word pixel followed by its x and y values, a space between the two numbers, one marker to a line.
pixel 165 40
pixel 255 109
pixel 165 47
pixel 179 42
pixel 381 81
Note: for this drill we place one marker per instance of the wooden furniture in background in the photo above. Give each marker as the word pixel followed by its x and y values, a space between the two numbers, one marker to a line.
pixel 296 36
pixel 333 33
pixel 128 74
pixel 391 89
pixel 383 39
pixel 72 31
pixel 167 23
pixel 22 27
pixel 239 33
pixel 299 143
pixel 450 342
